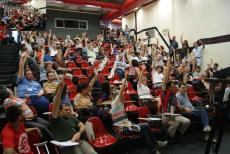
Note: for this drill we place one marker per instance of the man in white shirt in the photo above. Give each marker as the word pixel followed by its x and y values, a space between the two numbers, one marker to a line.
pixel 197 52
pixel 157 76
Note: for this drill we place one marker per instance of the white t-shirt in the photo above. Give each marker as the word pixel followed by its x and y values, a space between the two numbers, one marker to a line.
pixel 226 94
pixel 142 90
pixel 53 52
pixel 157 77
pixel 197 51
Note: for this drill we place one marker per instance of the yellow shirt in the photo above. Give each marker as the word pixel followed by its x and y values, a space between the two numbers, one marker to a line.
pixel 50 85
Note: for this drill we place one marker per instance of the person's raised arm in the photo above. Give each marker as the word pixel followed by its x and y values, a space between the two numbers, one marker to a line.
pixel 57 100
pixel 22 61
pixel 123 85
pixel 49 38
pixel 141 73
pixel 181 39
pixel 169 35
pixel 166 75
pixel 93 80
pixel 193 65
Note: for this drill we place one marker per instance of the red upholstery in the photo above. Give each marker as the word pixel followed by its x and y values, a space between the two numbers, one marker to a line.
pixel 83 79
pixel 90 71
pixel 96 64
pixel 110 64
pixel 72 95
pixel 158 92
pixel 105 71
pixel 129 106
pixel 84 65
pixel 33 138
pixel 116 77
pixel 69 84
pixel 143 112
pixel 102 137
pixel 101 79
pixel 130 90
pixel 71 65
pixel 77 72
pixel 192 94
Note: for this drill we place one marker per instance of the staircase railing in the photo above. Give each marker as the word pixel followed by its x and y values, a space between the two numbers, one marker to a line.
pixel 151 28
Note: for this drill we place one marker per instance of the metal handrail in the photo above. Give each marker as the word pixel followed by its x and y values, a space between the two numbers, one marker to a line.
pixel 146 29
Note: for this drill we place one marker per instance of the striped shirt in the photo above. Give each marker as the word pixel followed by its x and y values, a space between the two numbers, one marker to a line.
pixel 182 98
pixel 118 111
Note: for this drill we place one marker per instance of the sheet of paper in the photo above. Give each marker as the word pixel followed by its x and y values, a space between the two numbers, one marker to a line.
pixel 65 144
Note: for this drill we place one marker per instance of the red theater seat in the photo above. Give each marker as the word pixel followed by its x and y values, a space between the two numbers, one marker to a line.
pixel 102 137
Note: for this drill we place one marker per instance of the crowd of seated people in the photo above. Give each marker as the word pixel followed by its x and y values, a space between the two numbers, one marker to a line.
pixel 75 79
pixel 23 18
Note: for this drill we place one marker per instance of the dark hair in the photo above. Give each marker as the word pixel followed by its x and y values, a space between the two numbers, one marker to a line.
pixel 135 63
pixel 82 86
pixel 216 64
pixel 3 94
pixel 181 84
pixel 27 71
pixel 105 87
pixel 169 84
pixel 47 50
pixel 12 113
pixel 47 73
pixel 61 106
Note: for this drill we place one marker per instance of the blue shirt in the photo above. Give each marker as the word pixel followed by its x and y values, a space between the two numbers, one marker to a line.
pixel 184 101
pixel 32 88
pixel 47 58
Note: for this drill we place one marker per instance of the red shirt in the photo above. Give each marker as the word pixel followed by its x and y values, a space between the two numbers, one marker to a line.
pixel 165 100
pixel 16 139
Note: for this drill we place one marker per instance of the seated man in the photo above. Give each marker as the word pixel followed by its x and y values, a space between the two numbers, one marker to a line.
pixel 62 119
pixel 14 137
pixel 189 110
pixel 168 104
pixel 27 87
pixel 50 86
pixel 120 119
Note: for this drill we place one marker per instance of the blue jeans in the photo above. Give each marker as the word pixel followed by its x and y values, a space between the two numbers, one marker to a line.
pixel 120 72
pixel 202 114
pixel 41 104
pixel 149 139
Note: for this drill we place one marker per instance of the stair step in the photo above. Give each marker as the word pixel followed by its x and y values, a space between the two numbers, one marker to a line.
pixel 7 76
pixel 5 81
pixel 2 72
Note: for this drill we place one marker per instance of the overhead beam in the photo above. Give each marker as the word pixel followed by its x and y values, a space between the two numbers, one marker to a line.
pixel 101 4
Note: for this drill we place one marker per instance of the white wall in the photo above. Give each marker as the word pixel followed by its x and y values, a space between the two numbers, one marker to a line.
pixel 194 18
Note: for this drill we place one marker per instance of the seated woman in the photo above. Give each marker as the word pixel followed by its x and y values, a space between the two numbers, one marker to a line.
pixel 31 120
pixel 134 73
pixel 144 91
pixel 83 98
pixel 105 93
